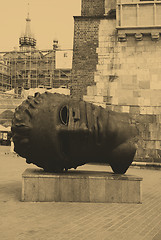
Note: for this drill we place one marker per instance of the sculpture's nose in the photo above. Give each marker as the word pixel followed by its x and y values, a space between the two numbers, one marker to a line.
pixel 76 119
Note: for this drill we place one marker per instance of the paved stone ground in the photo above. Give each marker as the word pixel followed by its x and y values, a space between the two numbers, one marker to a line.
pixel 74 221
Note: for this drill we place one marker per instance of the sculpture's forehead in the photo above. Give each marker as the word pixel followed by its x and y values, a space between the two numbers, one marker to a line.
pixel 60 103
pixel 58 99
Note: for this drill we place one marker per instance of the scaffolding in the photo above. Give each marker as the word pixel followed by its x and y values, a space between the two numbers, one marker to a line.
pixel 5 82
pixel 32 69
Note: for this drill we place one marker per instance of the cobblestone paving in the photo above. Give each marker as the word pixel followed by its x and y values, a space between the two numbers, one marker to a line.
pixel 76 221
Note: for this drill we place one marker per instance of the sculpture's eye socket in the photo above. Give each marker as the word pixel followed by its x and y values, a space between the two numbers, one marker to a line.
pixel 64 115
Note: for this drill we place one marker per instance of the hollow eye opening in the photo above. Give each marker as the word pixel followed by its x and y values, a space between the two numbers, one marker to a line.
pixel 64 115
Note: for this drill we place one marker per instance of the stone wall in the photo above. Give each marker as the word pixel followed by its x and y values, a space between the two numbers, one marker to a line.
pixel 92 7
pixel 97 7
pixel 109 4
pixel 85 57
pixel 128 80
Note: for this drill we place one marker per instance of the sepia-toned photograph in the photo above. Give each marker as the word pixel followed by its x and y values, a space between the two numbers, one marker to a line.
pixel 80 120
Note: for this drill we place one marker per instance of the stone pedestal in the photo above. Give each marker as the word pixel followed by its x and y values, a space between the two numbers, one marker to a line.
pixel 80 186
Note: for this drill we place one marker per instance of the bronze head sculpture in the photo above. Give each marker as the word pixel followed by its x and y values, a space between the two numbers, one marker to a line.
pixel 57 133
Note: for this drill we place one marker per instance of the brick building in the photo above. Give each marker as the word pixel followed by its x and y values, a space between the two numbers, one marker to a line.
pixel 117 64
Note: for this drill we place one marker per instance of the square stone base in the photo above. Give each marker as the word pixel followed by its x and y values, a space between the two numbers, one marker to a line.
pixel 80 186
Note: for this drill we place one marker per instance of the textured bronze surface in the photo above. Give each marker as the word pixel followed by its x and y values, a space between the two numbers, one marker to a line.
pixel 57 133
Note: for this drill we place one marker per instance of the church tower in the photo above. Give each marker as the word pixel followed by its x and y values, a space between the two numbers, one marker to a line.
pixel 27 41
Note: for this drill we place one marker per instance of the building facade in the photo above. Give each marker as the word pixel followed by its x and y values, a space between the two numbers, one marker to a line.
pixel 117 64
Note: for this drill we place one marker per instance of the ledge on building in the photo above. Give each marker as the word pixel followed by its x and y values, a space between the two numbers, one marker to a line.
pixel 149 165
pixel 139 29
pixel 110 15
pixel 139 32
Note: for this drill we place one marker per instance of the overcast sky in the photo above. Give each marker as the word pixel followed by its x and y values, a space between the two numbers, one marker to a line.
pixel 49 19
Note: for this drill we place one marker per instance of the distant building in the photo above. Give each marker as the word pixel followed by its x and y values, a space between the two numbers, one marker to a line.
pixel 28 70
pixel 29 67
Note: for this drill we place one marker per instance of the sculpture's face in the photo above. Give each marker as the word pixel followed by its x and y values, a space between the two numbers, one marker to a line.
pixel 79 120
pixel 76 126
pixel 78 116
